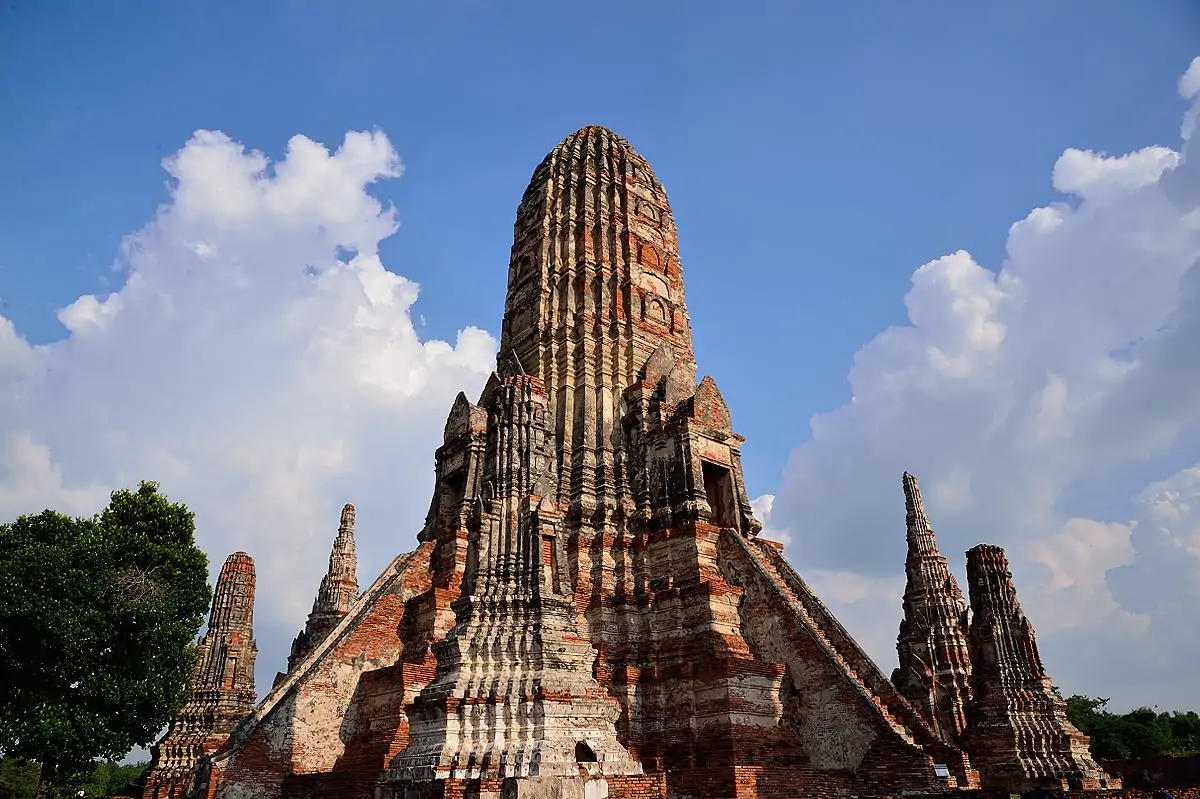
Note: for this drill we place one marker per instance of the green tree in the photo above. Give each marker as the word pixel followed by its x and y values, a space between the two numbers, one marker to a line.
pixel 19 777
pixel 107 778
pixel 1146 732
pixel 110 778
pixel 1088 714
pixel 98 619
pixel 1185 729
pixel 1139 733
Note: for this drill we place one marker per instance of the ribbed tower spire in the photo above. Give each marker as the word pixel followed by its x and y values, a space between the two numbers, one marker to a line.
pixel 1019 733
pixel 223 691
pixel 935 666
pixel 594 288
pixel 338 590
pixel 227 650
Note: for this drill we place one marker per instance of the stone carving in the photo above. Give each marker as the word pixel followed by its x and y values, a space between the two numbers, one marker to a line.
pixel 514 694
pixel 223 691
pixel 1017 726
pixel 338 590
pixel 655 312
pixel 654 285
pixel 935 664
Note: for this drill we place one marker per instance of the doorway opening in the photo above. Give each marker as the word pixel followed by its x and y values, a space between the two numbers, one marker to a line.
pixel 718 490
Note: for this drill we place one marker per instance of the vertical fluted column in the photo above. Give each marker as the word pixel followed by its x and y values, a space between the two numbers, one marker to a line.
pixel 1002 640
pixel 514 693
pixel 339 587
pixel 228 668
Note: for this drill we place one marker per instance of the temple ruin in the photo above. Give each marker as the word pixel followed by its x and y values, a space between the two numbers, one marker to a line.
pixel 1017 729
pixel 935 663
pixel 590 610
pixel 338 591
pixel 223 689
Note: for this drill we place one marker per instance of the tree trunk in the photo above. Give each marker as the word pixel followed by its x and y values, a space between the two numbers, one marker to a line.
pixel 45 786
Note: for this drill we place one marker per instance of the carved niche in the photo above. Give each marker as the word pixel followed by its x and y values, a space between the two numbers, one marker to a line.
pixel 649 211
pixel 648 256
pixel 655 311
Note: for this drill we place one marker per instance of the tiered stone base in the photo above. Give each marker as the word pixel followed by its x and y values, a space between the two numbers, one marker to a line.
pixel 741 782
pixel 757 782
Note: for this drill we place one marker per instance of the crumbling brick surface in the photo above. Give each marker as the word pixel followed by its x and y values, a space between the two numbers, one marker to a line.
pixel 1119 793
pixel 341 709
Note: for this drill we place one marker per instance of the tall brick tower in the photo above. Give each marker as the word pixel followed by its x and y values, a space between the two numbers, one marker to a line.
pixel 337 592
pixel 223 691
pixel 1018 733
pixel 551 462
pixel 935 663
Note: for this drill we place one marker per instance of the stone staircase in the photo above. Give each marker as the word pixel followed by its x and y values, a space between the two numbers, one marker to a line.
pixel 881 696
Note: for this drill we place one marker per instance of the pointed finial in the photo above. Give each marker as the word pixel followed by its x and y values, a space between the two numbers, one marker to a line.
pixel 913 504
pixel 920 534
pixel 347 515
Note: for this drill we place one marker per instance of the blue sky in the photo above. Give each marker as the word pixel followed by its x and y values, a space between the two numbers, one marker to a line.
pixel 816 155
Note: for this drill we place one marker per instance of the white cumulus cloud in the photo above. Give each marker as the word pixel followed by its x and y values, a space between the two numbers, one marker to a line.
pixel 258 361
pixel 1025 394
pixel 1189 82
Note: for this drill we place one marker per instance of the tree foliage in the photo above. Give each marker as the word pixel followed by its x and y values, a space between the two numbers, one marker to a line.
pixel 109 778
pixel 1140 733
pixel 98 619
pixel 19 779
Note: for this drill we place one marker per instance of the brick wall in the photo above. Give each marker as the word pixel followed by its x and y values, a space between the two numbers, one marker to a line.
pixel 329 729
pixel 830 697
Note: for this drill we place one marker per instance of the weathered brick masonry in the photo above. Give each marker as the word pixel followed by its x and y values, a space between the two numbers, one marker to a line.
pixel 935 662
pixel 332 724
pixel 1122 793
pixel 338 590
pixel 223 690
pixel 590 611
pixel 1017 726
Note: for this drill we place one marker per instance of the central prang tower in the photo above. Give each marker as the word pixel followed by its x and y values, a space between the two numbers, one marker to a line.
pixel 590 443
pixel 594 289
